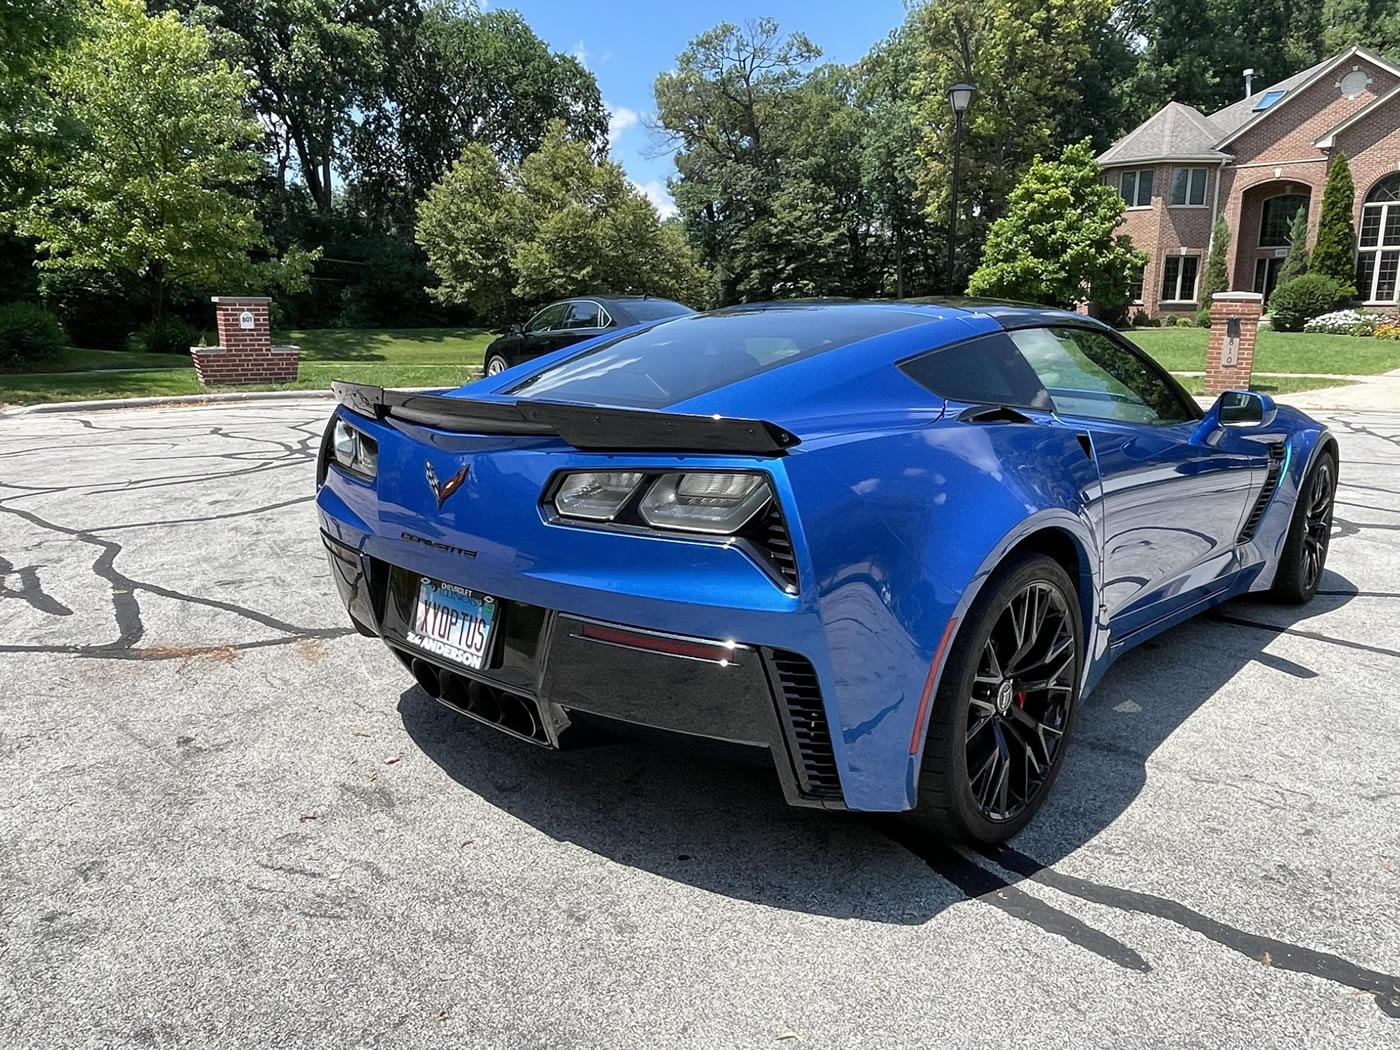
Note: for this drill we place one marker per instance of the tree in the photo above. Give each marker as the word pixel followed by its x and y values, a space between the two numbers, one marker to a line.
pixel 1056 244
pixel 1023 56
pixel 1334 251
pixel 723 108
pixel 502 236
pixel 1297 262
pixel 149 187
pixel 1217 278
pixel 905 247
pixel 313 62
pixel 454 76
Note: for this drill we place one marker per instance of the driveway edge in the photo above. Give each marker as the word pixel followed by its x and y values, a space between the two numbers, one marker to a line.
pixel 180 400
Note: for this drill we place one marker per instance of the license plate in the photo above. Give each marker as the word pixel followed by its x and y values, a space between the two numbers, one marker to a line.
pixel 453 622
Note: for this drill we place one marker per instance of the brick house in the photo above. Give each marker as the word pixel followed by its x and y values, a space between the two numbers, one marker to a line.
pixel 1257 162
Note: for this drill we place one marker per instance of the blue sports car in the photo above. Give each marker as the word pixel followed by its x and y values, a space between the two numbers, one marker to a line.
pixel 893 544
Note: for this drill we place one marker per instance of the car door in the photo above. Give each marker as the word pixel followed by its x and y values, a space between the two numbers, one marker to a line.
pixel 1174 497
pixel 537 336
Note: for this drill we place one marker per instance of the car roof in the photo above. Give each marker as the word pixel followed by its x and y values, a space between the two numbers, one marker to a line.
pixel 1006 312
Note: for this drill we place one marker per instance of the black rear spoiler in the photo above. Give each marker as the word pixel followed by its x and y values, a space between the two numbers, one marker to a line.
pixel 583 426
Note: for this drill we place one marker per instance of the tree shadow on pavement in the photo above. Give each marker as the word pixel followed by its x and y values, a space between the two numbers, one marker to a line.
pixel 721 825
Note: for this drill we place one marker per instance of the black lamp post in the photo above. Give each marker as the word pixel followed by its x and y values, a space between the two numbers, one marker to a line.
pixel 959 98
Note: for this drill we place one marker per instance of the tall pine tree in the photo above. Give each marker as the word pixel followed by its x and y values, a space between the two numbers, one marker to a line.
pixel 1334 254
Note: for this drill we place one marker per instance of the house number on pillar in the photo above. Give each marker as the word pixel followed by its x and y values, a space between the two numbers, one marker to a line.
pixel 1230 355
pixel 245 320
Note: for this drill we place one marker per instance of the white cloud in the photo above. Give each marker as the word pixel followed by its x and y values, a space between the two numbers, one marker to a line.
pixel 620 118
pixel 581 53
pixel 655 191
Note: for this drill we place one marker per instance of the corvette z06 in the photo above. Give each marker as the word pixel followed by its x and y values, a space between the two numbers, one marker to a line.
pixel 893 544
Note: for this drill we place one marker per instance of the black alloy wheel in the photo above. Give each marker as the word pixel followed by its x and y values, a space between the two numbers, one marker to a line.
pixel 1304 555
pixel 1318 522
pixel 1019 706
pixel 1005 704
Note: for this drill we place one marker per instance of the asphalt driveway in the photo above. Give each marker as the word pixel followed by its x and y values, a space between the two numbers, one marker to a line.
pixel 226 820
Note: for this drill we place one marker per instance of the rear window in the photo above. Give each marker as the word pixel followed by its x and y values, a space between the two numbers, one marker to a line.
pixel 697 353
pixel 654 309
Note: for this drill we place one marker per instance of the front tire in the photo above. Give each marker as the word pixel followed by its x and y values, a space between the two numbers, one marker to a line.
pixel 1004 707
pixel 1304 554
pixel 495 365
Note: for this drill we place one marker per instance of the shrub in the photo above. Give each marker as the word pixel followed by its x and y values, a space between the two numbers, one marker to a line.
pixel 169 335
pixel 1389 330
pixel 1185 322
pixel 1141 320
pixel 1334 253
pixel 1300 300
pixel 1345 322
pixel 29 333
pixel 1203 317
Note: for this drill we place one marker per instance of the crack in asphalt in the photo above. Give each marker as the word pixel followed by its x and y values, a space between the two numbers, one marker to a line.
pixel 126 607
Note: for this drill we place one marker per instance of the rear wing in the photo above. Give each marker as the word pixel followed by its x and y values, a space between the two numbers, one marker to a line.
pixel 582 426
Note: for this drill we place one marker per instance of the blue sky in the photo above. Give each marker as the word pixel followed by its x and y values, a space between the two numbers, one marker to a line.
pixel 626 43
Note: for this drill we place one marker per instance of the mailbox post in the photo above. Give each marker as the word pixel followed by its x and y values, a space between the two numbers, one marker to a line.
pixel 1234 321
pixel 245 353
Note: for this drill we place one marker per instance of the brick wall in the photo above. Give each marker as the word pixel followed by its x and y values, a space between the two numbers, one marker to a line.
pixel 244 355
pixel 1164 229
pixel 1246 307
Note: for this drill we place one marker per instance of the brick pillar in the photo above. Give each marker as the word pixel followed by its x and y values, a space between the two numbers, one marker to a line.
pixel 1230 367
pixel 245 353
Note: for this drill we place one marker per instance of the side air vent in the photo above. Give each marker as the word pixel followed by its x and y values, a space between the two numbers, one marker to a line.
pixel 1271 479
pixel 768 532
pixel 811 737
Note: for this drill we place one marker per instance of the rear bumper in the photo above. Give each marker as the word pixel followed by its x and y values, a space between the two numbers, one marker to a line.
pixel 567 673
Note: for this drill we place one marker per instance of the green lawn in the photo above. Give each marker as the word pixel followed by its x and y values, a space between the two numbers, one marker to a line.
pixel 1265 384
pixel 1184 350
pixel 443 357
pixel 74 359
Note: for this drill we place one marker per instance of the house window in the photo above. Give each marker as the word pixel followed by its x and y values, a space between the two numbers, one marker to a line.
pixel 1179 278
pixel 1278 217
pixel 1135 286
pixel 1136 188
pixel 1189 187
pixel 1378 246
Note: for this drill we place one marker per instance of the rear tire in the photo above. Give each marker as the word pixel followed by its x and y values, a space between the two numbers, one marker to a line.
pixel 495 365
pixel 1304 555
pixel 1005 705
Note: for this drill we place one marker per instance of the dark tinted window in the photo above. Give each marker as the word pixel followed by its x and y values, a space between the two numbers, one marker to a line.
pixel 654 309
pixel 690 355
pixel 582 313
pixel 984 370
pixel 1090 374
pixel 546 318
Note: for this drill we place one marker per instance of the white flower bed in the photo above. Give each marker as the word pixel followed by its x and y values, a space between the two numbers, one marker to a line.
pixel 1346 322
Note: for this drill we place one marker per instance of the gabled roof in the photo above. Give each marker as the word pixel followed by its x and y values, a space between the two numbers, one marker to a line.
pixel 1229 118
pixel 1179 132
pixel 1330 139
pixel 1174 132
pixel 1237 114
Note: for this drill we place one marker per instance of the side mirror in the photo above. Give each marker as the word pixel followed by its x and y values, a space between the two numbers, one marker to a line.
pixel 517 329
pixel 1242 408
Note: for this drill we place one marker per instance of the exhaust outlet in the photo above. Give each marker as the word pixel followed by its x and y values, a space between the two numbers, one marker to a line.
pixel 516 715
pixel 482 702
pixel 426 675
pixel 454 690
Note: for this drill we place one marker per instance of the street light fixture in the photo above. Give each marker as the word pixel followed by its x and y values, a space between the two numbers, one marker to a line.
pixel 959 98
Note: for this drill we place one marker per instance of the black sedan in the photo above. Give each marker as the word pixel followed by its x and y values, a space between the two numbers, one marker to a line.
pixel 571 321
